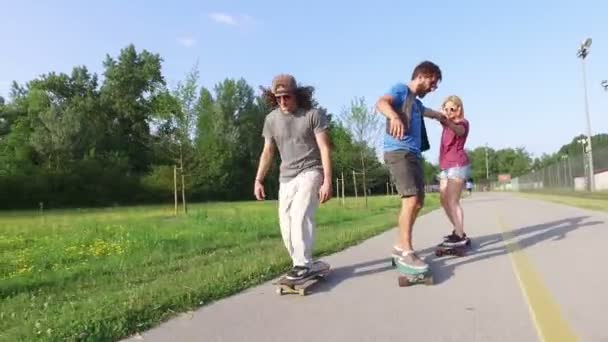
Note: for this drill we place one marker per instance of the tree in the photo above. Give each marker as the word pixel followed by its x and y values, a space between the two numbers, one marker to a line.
pixel 363 122
pixel 57 112
pixel 477 157
pixel 224 169
pixel 364 126
pixel 575 148
pixel 178 118
pixel 515 162
pixel 4 121
pixel 16 153
pixel 430 172
pixel 349 155
pixel 132 81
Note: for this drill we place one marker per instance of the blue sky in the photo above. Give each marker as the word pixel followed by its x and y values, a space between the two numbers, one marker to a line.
pixel 514 65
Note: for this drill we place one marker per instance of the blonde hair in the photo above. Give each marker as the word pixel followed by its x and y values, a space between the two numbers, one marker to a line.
pixel 458 102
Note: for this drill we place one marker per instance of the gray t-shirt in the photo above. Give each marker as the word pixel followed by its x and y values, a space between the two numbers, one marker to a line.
pixel 294 136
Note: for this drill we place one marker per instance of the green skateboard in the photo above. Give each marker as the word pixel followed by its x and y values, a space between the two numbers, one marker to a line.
pixel 411 277
pixel 320 269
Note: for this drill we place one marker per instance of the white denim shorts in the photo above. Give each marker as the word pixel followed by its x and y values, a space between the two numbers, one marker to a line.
pixel 462 172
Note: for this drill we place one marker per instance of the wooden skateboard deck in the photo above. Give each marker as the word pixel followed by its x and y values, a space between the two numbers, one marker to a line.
pixel 411 277
pixel 320 269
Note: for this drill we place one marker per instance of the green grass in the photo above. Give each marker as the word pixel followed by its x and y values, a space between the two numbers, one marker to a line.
pixel 103 274
pixel 589 200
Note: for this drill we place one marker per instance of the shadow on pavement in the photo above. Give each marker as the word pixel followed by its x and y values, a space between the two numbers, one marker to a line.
pixel 487 246
pixel 339 274
pixel 482 247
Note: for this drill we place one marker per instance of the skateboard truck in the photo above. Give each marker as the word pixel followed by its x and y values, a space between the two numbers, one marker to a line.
pixel 410 277
pixel 320 269
pixel 460 251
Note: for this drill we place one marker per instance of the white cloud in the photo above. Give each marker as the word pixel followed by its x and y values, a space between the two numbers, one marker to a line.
pixel 230 19
pixel 223 18
pixel 187 41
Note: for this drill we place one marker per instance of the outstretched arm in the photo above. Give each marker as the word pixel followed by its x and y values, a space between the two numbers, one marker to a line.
pixel 433 114
pixel 457 128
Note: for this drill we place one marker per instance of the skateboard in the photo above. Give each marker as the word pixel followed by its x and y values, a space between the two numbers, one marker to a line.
pixel 320 269
pixel 460 251
pixel 411 277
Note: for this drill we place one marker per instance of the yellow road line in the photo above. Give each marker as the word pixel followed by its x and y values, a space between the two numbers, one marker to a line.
pixel 546 314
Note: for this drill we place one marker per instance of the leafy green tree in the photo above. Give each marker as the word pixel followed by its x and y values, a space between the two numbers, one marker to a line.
pixel 132 82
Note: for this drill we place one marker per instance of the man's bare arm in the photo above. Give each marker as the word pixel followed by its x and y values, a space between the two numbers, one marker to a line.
pixel 397 126
pixel 458 129
pixel 265 160
pixel 433 114
pixel 385 107
pixel 325 149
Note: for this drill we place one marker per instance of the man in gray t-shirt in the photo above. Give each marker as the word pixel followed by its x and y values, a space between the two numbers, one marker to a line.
pixel 301 135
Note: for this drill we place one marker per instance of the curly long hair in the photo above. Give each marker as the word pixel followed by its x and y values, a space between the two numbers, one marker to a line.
pixel 303 97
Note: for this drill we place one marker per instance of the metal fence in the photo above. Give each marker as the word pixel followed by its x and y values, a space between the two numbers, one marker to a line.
pixel 568 173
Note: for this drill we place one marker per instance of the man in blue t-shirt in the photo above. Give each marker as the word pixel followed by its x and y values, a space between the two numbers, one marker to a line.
pixel 404 141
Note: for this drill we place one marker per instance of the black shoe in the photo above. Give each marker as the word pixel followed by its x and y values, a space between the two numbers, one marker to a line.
pixel 298 272
pixel 454 240
pixel 450 236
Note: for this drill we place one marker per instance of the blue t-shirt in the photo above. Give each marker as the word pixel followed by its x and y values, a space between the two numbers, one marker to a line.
pixel 411 141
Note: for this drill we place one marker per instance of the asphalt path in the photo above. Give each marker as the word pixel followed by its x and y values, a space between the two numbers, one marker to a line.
pixel 533 273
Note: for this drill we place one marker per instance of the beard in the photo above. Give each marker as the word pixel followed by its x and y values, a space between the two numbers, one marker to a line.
pixel 422 91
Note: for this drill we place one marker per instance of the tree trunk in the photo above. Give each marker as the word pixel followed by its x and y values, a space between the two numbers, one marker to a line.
pixel 343 201
pixel 355 183
pixel 364 180
pixel 175 187
pixel 181 167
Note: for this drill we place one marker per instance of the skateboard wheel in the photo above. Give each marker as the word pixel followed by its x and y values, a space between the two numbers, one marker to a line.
pixel 403 281
pixel 279 291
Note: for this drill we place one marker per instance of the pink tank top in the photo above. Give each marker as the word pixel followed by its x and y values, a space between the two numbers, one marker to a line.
pixel 451 151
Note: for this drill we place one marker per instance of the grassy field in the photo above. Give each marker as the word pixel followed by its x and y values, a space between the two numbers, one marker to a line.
pixel 588 200
pixel 103 274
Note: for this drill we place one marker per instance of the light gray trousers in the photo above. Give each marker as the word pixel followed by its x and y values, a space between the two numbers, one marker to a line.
pixel 298 203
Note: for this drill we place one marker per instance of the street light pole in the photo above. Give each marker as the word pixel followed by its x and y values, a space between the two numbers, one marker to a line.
pixel 582 53
pixel 487 168
pixel 583 141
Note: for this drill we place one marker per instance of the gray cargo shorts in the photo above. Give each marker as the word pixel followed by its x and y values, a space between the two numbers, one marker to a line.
pixel 406 171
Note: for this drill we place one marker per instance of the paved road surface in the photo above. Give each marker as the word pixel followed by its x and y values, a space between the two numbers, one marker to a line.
pixel 536 273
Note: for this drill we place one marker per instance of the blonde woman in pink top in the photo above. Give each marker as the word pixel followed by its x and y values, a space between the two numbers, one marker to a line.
pixel 455 168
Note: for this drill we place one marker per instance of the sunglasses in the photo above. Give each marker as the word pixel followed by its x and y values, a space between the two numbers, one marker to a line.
pixel 283 98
